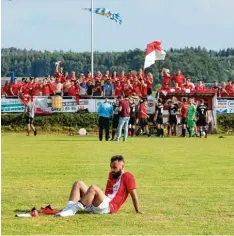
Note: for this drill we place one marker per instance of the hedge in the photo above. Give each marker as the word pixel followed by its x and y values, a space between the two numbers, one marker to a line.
pixel 61 122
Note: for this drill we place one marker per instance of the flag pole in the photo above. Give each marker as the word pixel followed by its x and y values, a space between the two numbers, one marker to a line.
pixel 92 37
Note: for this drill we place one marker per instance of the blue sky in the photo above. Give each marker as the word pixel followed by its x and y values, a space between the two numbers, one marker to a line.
pixel 63 25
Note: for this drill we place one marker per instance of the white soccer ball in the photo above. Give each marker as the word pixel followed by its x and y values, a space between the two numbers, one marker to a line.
pixel 203 133
pixel 82 131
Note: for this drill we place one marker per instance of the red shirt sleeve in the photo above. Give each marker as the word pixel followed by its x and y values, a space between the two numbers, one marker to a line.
pixel 130 181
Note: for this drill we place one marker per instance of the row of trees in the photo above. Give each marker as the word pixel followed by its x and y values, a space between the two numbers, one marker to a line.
pixel 198 63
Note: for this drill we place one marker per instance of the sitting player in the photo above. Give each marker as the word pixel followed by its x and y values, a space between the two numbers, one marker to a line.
pixel 93 200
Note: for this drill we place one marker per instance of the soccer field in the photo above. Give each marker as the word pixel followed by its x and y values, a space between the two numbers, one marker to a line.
pixel 185 186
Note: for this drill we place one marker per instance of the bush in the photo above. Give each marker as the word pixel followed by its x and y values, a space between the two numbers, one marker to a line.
pixel 56 122
pixel 63 122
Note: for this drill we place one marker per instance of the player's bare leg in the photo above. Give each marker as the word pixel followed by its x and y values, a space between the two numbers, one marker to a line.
pixel 93 195
pixel 79 188
pixel 28 129
pixel 78 191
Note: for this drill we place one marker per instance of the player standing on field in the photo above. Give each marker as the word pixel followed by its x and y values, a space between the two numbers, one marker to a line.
pixel 202 118
pixel 191 117
pixel 184 112
pixel 158 117
pixel 172 116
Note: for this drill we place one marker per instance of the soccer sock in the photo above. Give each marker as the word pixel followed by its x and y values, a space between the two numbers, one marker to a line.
pixel 168 130
pixel 162 132
pixel 189 131
pixel 200 132
pixel 183 132
pixel 82 203
pixel 158 132
pixel 133 132
pixel 192 132
pixel 113 134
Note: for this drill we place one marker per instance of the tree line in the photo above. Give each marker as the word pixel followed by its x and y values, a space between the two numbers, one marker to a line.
pixel 198 63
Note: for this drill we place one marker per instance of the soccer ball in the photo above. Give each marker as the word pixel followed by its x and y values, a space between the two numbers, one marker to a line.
pixel 82 131
pixel 203 133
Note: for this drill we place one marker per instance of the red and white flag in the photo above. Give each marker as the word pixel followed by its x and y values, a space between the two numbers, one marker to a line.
pixel 154 53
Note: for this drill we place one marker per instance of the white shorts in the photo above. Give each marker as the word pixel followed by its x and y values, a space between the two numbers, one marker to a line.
pixel 103 208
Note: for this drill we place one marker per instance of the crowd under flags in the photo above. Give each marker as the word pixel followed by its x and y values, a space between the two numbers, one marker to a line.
pixel 154 53
pixel 106 12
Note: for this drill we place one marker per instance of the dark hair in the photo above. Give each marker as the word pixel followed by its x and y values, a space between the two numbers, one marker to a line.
pixel 184 100
pixel 125 96
pixel 160 100
pixel 201 100
pixel 117 158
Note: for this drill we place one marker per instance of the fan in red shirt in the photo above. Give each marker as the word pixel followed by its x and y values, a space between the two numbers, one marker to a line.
pixel 127 88
pixel 72 89
pixel 46 91
pixel 94 200
pixel 136 87
pixel 165 88
pixel 122 76
pixel 6 89
pixel 114 78
pixel 118 89
pixel 140 74
pixel 14 88
pixel 149 82
pixel 188 85
pixel 229 88
pixel 176 89
pixel 130 75
pixel 144 88
pixel 200 87
pixel 166 77
pixel 36 87
pixel 179 78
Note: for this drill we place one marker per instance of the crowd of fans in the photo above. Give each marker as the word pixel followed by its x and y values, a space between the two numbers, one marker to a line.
pixel 108 85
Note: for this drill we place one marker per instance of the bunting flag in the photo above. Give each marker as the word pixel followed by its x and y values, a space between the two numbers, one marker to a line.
pixel 106 12
pixel 154 52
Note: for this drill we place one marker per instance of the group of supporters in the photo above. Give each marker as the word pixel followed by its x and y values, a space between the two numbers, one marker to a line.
pixel 184 84
pixel 107 85
pixel 130 113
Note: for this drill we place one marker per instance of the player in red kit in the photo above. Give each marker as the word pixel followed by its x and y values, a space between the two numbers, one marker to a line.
pixel 166 77
pixel 93 200
pixel 183 112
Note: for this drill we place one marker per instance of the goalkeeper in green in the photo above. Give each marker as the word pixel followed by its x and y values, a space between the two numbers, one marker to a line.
pixel 191 122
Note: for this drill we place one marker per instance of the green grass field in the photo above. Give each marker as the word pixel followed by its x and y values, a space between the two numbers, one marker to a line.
pixel 186 186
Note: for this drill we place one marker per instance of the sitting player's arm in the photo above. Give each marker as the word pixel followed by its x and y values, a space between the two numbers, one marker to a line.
pixel 135 200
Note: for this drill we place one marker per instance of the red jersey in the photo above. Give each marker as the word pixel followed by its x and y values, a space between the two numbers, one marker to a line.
pixel 179 79
pixel 166 80
pixel 149 82
pixel 127 89
pixel 131 77
pixel 229 88
pixel 72 91
pixel 118 90
pixel 142 108
pixel 188 86
pixel 15 88
pixel 117 190
pixel 184 109
pixel 46 90
pixel 36 89
pixel 136 88
pixel 122 78
pixel 200 88
pixel 143 90
pixel 125 112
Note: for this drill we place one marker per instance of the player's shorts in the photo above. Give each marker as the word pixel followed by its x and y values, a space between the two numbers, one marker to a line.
pixel 183 121
pixel 132 120
pixel 115 121
pixel 201 122
pixel 149 91
pixel 172 120
pixel 159 120
pixel 103 208
pixel 191 123
pixel 143 122
pixel 29 120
